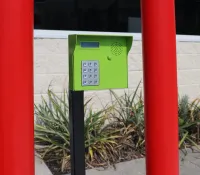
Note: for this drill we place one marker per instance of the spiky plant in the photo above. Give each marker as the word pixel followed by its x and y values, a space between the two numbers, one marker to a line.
pixel 129 118
pixel 188 113
pixel 51 129
pixel 52 137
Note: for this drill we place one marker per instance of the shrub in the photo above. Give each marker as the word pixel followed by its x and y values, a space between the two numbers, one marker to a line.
pixel 113 134
pixel 52 136
pixel 189 118
pixel 128 116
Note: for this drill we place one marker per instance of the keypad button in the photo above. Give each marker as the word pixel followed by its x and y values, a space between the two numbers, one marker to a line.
pixel 90 64
pixel 90 76
pixel 85 64
pixel 84 76
pixel 90 70
pixel 84 82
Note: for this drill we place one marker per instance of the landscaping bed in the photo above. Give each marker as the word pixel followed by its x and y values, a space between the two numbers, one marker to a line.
pixel 112 135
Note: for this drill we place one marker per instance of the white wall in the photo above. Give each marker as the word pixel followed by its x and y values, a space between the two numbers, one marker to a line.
pixel 51 65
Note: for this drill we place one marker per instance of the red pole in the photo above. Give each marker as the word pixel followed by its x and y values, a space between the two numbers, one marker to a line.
pixel 160 87
pixel 16 88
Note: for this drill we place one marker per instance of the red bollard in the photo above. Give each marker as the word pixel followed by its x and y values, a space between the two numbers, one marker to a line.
pixel 16 88
pixel 160 87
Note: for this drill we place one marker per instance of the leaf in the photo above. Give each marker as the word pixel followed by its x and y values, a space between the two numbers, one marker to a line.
pixel 183 139
pixel 91 153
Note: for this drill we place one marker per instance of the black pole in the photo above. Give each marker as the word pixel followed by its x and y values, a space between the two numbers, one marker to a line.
pixel 77 140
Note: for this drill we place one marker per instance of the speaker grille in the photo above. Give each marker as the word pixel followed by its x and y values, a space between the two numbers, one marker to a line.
pixel 116 48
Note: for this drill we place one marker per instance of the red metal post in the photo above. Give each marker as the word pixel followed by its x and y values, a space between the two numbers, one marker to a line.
pixel 16 88
pixel 160 86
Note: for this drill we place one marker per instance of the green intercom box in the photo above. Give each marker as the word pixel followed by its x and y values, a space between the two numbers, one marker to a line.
pixel 98 62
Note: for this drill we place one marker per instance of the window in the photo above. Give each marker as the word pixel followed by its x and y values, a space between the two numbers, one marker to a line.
pixel 108 15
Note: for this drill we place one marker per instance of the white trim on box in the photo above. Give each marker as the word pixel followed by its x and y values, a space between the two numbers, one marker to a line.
pixel 60 34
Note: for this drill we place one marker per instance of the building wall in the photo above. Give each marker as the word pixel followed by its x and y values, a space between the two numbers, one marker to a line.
pixel 51 67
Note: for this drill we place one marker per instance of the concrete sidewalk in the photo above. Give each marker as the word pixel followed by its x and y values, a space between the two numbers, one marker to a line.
pixel 40 167
pixel 189 165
